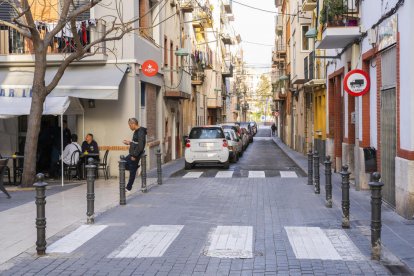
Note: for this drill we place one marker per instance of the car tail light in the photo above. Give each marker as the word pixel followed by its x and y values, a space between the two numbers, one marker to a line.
pixel 225 144
pixel 187 144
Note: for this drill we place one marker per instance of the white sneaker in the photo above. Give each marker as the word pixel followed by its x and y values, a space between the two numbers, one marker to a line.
pixel 128 191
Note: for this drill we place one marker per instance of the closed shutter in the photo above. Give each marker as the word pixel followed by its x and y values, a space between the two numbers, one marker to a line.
pixel 6 11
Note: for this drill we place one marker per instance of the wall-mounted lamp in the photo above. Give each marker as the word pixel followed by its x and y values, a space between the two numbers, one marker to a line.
pixel 91 103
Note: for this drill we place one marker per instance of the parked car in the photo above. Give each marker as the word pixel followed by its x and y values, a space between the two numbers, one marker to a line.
pixel 237 130
pixel 254 127
pixel 206 144
pixel 248 127
pixel 245 138
pixel 235 144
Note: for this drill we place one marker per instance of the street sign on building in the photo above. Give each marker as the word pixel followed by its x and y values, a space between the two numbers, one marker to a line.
pixel 356 83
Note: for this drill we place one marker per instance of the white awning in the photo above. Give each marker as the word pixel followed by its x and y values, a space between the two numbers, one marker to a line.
pixel 15 106
pixel 88 82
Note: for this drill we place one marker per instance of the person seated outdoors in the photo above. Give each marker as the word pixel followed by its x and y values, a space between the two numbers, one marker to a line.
pixel 68 156
pixel 90 146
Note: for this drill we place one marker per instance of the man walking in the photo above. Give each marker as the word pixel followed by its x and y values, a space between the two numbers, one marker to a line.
pixel 136 149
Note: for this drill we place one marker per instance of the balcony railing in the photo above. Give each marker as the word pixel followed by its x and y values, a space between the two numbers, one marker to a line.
pixel 202 17
pixel 228 6
pixel 12 42
pixel 308 5
pixel 314 70
pixel 186 6
pixel 340 13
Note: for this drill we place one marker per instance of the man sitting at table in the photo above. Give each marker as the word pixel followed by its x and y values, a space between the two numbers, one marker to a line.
pixel 70 149
pixel 90 146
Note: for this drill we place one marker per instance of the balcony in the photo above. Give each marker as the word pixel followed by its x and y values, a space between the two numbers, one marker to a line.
pixel 197 77
pixel 314 71
pixel 279 55
pixel 186 6
pixel 202 17
pixel 340 24
pixel 227 70
pixel 14 48
pixel 227 40
pixel 228 6
pixel 308 5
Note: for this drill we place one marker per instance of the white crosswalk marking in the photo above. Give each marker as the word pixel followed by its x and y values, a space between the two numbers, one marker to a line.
pixel 74 240
pixel 148 241
pixel 193 175
pixel 224 174
pixel 231 242
pixel 311 243
pixel 257 174
pixel 288 174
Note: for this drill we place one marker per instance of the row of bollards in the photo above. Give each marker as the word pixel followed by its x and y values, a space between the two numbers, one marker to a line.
pixel 376 198
pixel 40 187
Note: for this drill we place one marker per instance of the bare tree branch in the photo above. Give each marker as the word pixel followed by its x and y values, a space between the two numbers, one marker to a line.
pixel 15 27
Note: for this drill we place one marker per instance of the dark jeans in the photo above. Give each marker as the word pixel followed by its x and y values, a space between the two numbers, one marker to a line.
pixel 132 166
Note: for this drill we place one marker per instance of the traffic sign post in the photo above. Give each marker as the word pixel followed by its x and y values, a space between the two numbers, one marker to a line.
pixel 356 83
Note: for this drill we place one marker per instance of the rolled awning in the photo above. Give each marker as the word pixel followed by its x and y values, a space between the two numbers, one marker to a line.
pixel 15 106
pixel 88 82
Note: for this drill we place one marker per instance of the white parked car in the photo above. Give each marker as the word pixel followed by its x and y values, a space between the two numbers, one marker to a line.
pixel 206 144
pixel 235 144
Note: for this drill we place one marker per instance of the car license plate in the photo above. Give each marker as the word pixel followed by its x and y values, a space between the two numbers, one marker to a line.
pixel 207 145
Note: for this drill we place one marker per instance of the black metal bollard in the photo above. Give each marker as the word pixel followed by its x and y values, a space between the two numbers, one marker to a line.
pixel 316 172
pixel 40 186
pixel 328 181
pixel 345 197
pixel 90 193
pixel 376 201
pixel 122 196
pixel 310 167
pixel 159 168
pixel 144 174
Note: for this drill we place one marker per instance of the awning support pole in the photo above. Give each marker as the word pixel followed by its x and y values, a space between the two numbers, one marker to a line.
pixel 61 143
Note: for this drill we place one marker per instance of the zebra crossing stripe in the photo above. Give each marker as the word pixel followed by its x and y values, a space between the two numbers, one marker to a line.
pixel 224 174
pixel 193 175
pixel 74 240
pixel 288 174
pixel 148 242
pixel 311 243
pixel 231 242
pixel 257 174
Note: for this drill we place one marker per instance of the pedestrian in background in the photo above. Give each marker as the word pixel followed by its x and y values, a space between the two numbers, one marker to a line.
pixel 136 149
pixel 273 127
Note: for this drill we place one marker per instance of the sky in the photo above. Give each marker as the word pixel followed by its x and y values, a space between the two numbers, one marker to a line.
pixel 258 27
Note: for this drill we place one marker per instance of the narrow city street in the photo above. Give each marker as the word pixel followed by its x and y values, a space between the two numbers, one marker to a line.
pixel 239 225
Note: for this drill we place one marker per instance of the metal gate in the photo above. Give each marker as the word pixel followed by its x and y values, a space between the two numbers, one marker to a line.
pixel 388 143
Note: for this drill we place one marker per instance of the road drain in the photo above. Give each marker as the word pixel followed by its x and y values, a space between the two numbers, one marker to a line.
pixel 399 270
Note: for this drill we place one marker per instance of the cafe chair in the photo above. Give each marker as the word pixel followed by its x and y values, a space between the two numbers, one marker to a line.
pixel 104 165
pixel 6 171
pixel 74 166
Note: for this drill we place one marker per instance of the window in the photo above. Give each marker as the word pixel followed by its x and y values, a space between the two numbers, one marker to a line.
pixel 172 62
pixel 165 51
pixel 206 133
pixel 142 94
pixel 176 59
pixel 305 40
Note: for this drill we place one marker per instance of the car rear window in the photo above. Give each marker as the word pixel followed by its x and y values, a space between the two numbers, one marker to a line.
pixel 206 133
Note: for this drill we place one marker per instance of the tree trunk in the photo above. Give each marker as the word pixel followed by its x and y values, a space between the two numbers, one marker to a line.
pixel 33 125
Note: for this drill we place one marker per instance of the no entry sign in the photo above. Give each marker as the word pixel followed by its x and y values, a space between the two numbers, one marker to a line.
pixel 149 68
pixel 356 83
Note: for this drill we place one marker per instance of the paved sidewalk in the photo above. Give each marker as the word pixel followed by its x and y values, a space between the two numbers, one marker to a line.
pixel 397 233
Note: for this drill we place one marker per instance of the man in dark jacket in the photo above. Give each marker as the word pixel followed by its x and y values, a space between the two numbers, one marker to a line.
pixel 136 149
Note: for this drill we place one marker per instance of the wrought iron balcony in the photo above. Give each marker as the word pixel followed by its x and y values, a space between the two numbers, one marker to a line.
pixel 186 6
pixel 308 5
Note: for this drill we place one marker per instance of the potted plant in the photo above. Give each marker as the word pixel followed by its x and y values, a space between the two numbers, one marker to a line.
pixel 332 12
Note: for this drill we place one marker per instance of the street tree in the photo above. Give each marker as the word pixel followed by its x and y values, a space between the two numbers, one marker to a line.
pixel 24 22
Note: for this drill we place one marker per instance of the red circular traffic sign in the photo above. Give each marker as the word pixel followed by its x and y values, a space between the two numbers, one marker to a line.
pixel 356 82
pixel 149 68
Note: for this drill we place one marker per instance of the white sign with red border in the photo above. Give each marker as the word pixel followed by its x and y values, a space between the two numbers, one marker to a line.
pixel 356 82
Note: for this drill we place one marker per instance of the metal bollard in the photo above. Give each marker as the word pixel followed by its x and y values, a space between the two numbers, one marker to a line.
pixel 328 181
pixel 40 186
pixel 90 193
pixel 316 172
pixel 122 196
pixel 345 197
pixel 144 174
pixel 310 167
pixel 376 201
pixel 159 169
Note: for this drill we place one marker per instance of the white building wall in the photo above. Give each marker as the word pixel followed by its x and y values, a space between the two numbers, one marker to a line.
pixel 373 107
